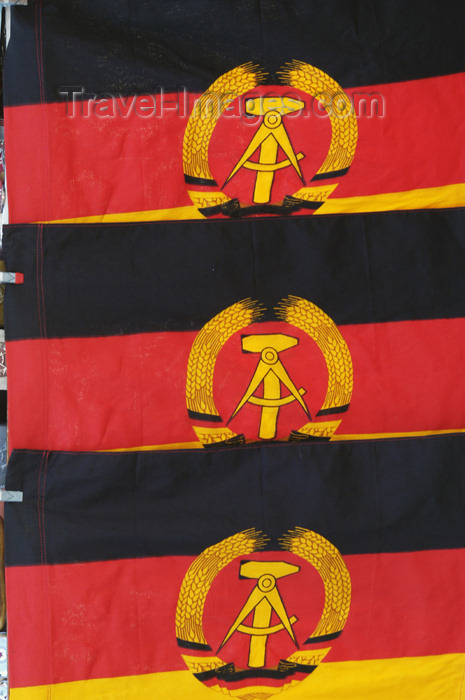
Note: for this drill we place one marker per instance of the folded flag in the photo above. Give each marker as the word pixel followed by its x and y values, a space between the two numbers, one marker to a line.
pixel 316 567
pixel 190 335
pixel 120 113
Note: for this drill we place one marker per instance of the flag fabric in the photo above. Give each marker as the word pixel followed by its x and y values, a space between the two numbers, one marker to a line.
pixel 111 351
pixel 235 349
pixel 99 98
pixel 107 550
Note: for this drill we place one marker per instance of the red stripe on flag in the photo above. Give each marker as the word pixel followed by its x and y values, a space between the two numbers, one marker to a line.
pixel 133 161
pixel 117 618
pixel 126 391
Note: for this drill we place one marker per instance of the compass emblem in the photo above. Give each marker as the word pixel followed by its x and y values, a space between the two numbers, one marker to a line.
pixel 305 556
pixel 271 136
pixel 263 601
pixel 272 387
pixel 268 138
pixel 270 373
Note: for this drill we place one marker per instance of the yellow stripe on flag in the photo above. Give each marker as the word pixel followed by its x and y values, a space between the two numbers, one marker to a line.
pixel 445 197
pixel 353 437
pixel 174 214
pixel 422 678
